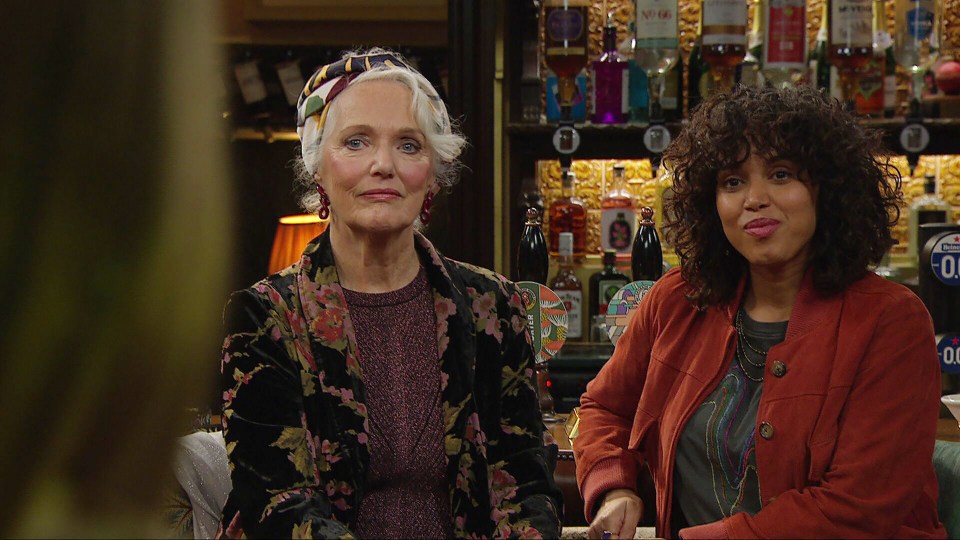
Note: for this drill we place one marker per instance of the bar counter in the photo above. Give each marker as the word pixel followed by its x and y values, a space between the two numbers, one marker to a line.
pixel 948 429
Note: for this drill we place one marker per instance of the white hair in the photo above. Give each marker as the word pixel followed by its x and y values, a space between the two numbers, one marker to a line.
pixel 443 139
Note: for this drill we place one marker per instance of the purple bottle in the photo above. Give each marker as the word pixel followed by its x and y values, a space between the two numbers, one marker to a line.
pixel 611 81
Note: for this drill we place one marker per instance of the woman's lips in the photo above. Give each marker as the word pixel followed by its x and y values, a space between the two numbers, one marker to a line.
pixel 761 227
pixel 380 194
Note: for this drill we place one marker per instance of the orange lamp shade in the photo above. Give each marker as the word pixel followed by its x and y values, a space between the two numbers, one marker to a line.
pixel 293 235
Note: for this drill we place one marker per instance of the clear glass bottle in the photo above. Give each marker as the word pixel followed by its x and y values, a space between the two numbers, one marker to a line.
pixel 605 283
pixel 784 30
pixel 569 288
pixel 567 214
pixel 610 75
pixel 658 47
pixel 869 99
pixel 565 43
pixel 724 38
pixel 618 215
pixel 917 34
pixel 927 208
pixel 639 87
pixel 850 42
pixel 750 74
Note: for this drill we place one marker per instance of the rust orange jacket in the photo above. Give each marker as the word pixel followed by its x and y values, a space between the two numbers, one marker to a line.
pixel 848 417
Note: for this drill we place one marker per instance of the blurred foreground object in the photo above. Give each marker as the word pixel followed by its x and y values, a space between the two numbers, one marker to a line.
pixel 113 210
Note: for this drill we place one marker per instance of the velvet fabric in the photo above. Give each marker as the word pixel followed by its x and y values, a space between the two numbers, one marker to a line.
pixel 295 419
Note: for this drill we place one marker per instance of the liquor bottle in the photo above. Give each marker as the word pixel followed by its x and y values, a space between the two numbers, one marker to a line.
pixel 604 284
pixel 889 74
pixel 646 259
pixel 658 50
pixel 916 39
pixel 671 96
pixel 927 208
pixel 532 259
pixel 252 89
pixel 618 216
pixel 724 41
pixel 750 72
pixel 784 54
pixel 565 43
pixel 850 42
pixel 699 80
pixel 291 78
pixel 569 289
pixel 639 87
pixel 567 214
pixel 822 73
pixel 611 81
pixel 869 99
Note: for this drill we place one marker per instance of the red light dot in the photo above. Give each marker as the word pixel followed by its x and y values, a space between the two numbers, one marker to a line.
pixel 549 383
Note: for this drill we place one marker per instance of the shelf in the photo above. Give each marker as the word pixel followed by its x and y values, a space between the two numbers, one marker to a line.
pixel 625 140
pixel 266 134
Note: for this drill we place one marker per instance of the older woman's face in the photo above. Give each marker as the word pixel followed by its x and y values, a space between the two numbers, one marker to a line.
pixel 769 214
pixel 375 166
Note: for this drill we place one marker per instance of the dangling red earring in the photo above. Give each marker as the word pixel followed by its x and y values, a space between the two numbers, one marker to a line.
pixel 425 210
pixel 324 212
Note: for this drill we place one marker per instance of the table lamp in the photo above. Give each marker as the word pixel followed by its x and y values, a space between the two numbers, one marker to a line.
pixel 293 234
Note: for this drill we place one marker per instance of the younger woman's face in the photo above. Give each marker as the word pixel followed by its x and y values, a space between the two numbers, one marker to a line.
pixel 768 212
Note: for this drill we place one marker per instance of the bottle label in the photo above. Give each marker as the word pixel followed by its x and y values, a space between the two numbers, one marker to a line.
pixel 786 35
pixel 890 92
pixel 565 24
pixel 617 226
pixel 606 289
pixel 851 23
pixel 724 22
pixel 292 81
pixel 869 94
pixel 656 26
pixel 251 85
pixel 573 302
pixel 920 21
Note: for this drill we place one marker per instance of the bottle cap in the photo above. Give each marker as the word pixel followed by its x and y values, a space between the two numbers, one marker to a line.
pixel 565 243
pixel 646 215
pixel 609 257
pixel 533 216
pixel 568 178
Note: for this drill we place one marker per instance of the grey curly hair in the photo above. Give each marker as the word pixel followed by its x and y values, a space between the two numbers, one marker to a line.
pixel 443 138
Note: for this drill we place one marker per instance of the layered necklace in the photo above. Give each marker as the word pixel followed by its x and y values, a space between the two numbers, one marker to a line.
pixel 745 348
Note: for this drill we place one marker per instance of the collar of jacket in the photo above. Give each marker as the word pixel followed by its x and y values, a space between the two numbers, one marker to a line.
pixel 810 309
pixel 335 354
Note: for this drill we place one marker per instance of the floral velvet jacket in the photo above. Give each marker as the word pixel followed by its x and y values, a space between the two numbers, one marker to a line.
pixel 296 426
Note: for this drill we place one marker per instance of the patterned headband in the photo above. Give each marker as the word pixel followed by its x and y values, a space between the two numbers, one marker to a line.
pixel 331 79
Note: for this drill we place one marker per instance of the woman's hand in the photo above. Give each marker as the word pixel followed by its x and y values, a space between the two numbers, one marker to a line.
pixel 619 514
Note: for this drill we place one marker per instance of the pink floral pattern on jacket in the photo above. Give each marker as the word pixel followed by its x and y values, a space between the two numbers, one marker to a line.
pixel 297 426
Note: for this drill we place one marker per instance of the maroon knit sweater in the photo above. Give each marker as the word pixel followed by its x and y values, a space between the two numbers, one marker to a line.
pixel 407 493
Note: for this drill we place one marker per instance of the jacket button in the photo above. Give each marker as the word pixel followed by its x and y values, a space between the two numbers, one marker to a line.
pixel 779 369
pixel 766 430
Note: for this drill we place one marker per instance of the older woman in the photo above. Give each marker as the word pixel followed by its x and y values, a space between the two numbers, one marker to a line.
pixel 773 385
pixel 376 388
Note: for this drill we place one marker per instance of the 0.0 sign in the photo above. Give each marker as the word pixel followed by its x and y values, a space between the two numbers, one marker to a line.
pixel 945 259
pixel 948 349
